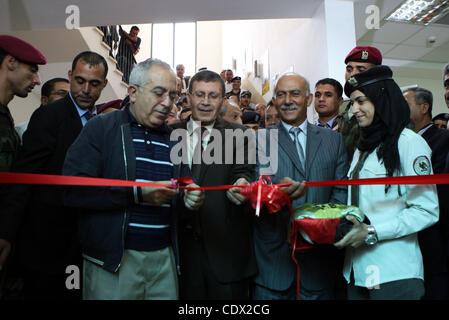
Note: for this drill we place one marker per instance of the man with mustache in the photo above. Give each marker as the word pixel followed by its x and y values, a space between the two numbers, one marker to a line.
pixel 128 235
pixel 34 216
pixel 305 153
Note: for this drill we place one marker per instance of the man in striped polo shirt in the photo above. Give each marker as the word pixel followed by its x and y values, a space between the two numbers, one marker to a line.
pixel 128 235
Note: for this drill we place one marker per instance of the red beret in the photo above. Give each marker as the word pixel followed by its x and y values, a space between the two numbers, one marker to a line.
pixel 21 50
pixel 364 54
pixel 116 104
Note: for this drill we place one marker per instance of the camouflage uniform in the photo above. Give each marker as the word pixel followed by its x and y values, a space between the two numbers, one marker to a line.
pixel 349 128
pixel 9 139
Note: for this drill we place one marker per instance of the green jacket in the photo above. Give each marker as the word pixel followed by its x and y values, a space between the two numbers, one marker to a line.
pixel 349 128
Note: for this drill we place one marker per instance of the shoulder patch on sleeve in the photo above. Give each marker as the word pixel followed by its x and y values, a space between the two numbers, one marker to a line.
pixel 422 165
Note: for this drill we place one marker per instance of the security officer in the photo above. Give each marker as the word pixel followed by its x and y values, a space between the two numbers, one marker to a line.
pixel 360 58
pixel 19 62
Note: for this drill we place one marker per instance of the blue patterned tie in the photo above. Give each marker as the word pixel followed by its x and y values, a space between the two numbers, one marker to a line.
pixel 295 131
pixel 88 115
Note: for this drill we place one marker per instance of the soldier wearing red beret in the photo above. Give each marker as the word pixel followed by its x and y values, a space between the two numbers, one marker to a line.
pixel 19 62
pixel 361 58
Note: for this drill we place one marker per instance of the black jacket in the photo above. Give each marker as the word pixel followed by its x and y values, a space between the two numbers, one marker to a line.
pixel 34 216
pixel 226 228
pixel 433 240
pixel 105 149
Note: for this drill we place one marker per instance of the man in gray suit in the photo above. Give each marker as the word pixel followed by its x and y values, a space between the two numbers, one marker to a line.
pixel 305 152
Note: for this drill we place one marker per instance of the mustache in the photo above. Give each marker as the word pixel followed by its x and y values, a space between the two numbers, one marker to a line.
pixel 205 108
pixel 84 96
pixel 289 107
pixel 165 110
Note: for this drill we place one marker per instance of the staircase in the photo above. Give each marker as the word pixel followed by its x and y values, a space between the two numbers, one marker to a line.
pixel 60 47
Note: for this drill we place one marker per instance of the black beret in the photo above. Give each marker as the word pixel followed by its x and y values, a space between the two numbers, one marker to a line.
pixel 250 117
pixel 236 78
pixel 245 93
pixel 367 77
pixel 441 116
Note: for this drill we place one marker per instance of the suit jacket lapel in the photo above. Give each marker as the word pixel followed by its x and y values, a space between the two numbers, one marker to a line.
pixel 313 142
pixel 289 147
pixel 75 122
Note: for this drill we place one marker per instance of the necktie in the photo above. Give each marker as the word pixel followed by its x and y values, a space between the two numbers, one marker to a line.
pixel 295 131
pixel 197 154
pixel 88 115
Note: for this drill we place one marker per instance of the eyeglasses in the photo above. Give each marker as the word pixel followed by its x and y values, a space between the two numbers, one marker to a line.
pixel 211 96
pixel 162 93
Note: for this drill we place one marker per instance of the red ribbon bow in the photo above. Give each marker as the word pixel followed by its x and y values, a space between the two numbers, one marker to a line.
pixel 264 192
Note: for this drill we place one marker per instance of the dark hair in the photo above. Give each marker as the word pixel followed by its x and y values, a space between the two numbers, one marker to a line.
pixel 92 59
pixel 337 85
pixel 185 110
pixel 135 28
pixel 392 114
pixel 422 95
pixel 48 86
pixel 2 56
pixel 207 76
pixel 441 116
pixel 446 70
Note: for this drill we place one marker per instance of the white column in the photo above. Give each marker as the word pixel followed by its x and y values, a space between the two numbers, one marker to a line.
pixel 332 36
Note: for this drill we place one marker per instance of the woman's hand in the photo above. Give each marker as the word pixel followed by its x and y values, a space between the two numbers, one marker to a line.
pixel 356 237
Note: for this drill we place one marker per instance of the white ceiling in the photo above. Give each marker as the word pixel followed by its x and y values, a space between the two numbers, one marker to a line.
pixel 402 41
pixel 397 41
pixel 16 15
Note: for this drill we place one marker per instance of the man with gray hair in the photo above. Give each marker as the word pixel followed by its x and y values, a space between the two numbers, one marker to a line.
pixel 305 152
pixel 129 235
pixel 432 240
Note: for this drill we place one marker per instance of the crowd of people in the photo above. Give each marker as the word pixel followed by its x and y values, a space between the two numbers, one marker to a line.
pixel 163 242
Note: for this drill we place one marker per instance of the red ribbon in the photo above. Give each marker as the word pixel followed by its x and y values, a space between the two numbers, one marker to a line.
pixel 260 193
pixel 46 179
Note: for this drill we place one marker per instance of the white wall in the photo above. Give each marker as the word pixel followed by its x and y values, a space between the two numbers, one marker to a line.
pixel 435 86
pixel 313 47
pixel 209 45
